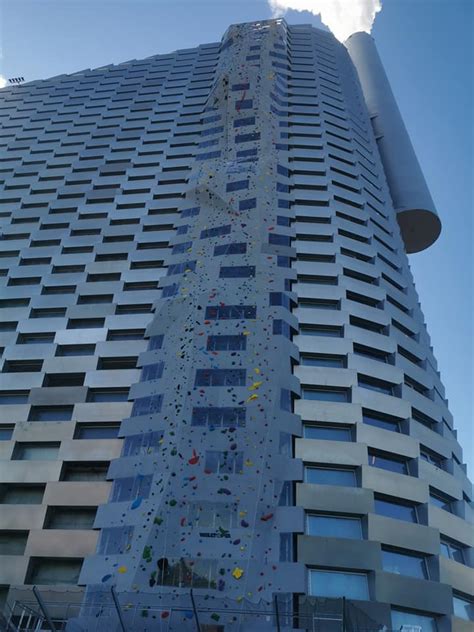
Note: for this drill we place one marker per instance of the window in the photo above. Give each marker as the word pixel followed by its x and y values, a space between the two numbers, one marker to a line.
pixel 22 366
pixel 327 432
pixel 463 607
pixel 187 573
pixel 220 377
pixel 70 517
pixel 227 416
pixel 395 509
pixel 126 334
pixel 443 501
pixel 212 515
pixel 380 420
pixel 364 300
pixel 321 330
pixel 370 352
pixel 230 312
pixel 404 563
pixel 6 432
pixel 36 451
pixel 85 471
pixel 180 268
pixel 115 363
pixel 19 494
pixel 218 231
pixel 107 395
pixel 35 339
pixel 95 299
pixel 325 394
pixel 239 248
pixel 152 371
pixel 155 342
pixel 13 542
pixel 279 240
pixel 238 185
pixel 333 584
pixel 13 397
pixel 452 550
pixel 318 303
pixel 75 350
pixel 48 312
pixel 330 526
pixel 50 413
pixel 131 488
pixel 317 279
pixel 330 476
pixel 147 405
pixel 432 457
pixel 142 444
pixel 115 540
pixel 85 323
pixel 143 308
pixel 97 431
pixel 224 462
pixel 369 325
pixel 387 461
pixel 422 622
pixel 51 571
pixel 63 379
pixel 374 384
pixel 237 272
pixel 226 343
pixel 318 359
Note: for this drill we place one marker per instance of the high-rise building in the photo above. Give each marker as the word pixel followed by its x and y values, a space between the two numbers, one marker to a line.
pixel 218 392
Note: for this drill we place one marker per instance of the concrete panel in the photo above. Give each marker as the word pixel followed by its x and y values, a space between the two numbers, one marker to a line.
pixel 459 576
pixel 61 543
pixel 334 498
pixel 338 553
pixel 398 533
pixel 22 517
pixel 43 431
pixel 408 592
pixel 86 450
pixel 107 411
pixel 310 410
pixel 77 493
pixel 393 484
pixel 29 471
pixel 331 452
pixel 13 569
pixel 386 440
pixel 450 525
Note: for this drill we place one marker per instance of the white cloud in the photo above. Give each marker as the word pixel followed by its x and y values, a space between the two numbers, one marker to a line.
pixel 3 81
pixel 343 17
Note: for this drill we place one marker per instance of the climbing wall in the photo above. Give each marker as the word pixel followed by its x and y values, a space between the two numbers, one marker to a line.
pixel 203 492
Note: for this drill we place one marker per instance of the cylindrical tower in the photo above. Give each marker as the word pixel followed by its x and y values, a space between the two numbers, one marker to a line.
pixel 416 211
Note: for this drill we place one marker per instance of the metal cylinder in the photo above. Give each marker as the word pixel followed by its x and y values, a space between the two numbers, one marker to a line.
pixel 416 212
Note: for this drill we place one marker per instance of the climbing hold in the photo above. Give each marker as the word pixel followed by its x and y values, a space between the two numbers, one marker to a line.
pixel 237 572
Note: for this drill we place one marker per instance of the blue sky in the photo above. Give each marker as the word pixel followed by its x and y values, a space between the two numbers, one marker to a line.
pixel 427 49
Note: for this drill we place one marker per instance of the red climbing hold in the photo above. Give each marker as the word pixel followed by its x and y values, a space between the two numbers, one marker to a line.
pixel 194 460
pixel 266 517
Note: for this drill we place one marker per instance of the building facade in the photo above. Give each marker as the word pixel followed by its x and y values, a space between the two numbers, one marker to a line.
pixel 218 392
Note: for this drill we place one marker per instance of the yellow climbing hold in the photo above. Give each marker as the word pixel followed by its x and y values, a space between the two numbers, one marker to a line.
pixel 249 463
pixel 246 333
pixel 255 385
pixel 254 396
pixel 237 572
pixel 122 569
pixel 257 370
